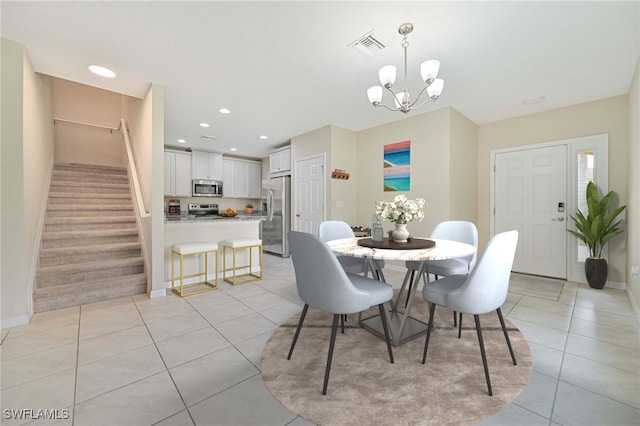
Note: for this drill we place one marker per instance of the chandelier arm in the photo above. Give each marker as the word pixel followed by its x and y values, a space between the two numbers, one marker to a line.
pixel 386 106
pixel 427 100
pixel 418 98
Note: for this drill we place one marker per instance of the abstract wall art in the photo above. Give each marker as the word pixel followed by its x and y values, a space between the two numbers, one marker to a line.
pixel 397 166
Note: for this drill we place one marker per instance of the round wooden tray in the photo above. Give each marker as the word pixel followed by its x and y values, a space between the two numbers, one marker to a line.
pixel 411 244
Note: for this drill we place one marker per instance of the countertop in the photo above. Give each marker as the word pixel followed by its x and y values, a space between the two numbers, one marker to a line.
pixel 216 219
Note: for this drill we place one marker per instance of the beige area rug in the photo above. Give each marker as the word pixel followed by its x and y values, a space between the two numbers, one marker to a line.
pixel 364 388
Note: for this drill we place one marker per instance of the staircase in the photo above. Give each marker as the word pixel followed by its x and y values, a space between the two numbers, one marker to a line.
pixel 90 250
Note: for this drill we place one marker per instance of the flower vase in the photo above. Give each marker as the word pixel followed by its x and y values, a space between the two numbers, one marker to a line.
pixel 400 233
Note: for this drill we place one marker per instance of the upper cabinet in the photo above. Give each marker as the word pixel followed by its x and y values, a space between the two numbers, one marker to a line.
pixel 280 162
pixel 241 178
pixel 177 174
pixel 206 165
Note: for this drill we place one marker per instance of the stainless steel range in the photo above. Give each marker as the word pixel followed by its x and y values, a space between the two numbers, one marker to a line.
pixel 203 211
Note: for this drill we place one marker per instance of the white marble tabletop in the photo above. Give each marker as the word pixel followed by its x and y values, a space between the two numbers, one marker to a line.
pixel 444 249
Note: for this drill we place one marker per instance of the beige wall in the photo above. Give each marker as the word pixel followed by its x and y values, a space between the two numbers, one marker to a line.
pixel 26 158
pixel 81 103
pixel 633 203
pixel 429 134
pixel 462 168
pixel 608 116
pixel 344 156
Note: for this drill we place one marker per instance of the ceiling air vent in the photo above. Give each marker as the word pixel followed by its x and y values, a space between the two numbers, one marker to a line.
pixel 208 138
pixel 369 43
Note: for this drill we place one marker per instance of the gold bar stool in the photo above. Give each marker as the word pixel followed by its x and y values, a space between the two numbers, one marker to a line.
pixel 234 246
pixel 193 249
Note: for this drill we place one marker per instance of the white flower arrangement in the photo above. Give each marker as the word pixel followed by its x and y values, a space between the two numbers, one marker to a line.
pixel 401 209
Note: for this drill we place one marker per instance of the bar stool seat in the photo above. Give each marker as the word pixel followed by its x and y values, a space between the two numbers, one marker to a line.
pixel 241 244
pixel 193 249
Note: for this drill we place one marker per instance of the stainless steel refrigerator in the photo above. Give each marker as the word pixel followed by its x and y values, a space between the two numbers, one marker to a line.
pixel 276 203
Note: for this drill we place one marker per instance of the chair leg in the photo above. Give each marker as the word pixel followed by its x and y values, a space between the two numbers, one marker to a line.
pixel 482 352
pixel 413 273
pixel 342 322
pixel 506 335
pixel 455 319
pixel 459 324
pixel 334 330
pixel 404 284
pixel 295 336
pixel 385 327
pixel 432 310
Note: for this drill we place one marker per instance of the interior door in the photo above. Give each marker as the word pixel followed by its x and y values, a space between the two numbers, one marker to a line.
pixel 309 194
pixel 530 196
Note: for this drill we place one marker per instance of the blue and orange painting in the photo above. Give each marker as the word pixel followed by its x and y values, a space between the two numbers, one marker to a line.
pixel 397 166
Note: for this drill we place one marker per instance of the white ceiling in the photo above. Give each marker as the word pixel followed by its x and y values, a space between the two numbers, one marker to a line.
pixel 285 68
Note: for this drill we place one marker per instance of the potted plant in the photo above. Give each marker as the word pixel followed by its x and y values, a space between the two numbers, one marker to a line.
pixel 249 209
pixel 595 229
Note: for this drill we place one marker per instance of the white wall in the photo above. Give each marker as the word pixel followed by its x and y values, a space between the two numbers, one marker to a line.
pixel 610 116
pixel 633 203
pixel 26 157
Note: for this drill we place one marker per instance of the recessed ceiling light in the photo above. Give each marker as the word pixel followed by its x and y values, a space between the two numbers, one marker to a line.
pixel 102 71
pixel 225 111
pixel 533 101
pixel 233 149
pixel 264 137
pixel 204 124
pixel 182 141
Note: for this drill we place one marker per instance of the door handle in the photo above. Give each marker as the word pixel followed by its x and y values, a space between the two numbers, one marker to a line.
pixel 560 219
pixel 298 215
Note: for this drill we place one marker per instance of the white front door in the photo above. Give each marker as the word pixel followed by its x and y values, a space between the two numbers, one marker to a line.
pixel 309 194
pixel 530 196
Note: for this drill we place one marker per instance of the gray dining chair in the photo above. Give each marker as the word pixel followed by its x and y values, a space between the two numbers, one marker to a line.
pixel 454 230
pixel 482 291
pixel 323 284
pixel 336 229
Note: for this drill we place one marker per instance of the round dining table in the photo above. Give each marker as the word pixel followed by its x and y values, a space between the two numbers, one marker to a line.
pixel 403 327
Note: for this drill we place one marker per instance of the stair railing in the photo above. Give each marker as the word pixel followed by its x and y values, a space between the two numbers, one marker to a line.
pixel 142 211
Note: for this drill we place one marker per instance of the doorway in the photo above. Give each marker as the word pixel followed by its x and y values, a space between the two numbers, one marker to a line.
pixel 309 190
pixel 535 189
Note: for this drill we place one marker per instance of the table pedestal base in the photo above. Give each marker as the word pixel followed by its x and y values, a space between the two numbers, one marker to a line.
pixel 412 327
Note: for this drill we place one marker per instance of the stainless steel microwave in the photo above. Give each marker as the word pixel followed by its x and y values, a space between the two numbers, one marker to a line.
pixel 206 188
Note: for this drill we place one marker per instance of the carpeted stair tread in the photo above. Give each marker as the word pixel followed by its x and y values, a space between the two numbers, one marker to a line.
pixel 101 248
pixel 88 234
pixel 98 265
pixel 68 295
pixel 83 220
pixel 89 208
pixel 89 195
pixel 89 167
pixel 88 271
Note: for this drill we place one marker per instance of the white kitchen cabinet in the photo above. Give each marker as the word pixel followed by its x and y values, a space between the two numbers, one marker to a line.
pixel 206 165
pixel 177 174
pixel 241 178
pixel 280 162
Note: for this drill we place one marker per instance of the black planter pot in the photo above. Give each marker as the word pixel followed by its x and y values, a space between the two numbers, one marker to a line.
pixel 596 271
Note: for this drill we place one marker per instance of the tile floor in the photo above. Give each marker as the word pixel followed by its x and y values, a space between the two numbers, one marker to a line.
pixel 174 361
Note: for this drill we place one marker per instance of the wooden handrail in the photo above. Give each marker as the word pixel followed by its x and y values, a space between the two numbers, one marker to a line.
pixel 82 123
pixel 134 173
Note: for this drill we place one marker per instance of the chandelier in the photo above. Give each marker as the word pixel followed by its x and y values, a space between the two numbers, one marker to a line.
pixel 387 74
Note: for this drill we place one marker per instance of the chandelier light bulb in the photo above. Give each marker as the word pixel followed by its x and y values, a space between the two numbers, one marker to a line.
pixel 429 70
pixel 387 75
pixel 401 99
pixel 435 89
pixel 374 94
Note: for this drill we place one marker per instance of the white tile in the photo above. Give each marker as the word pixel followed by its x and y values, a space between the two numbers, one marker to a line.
pixel 143 402
pixel 203 377
pixel 245 327
pixel 540 334
pixel 556 321
pixel 107 322
pixel 51 392
pixel 43 322
pixel 606 318
pixel 604 353
pixel 252 348
pixel 278 314
pixel 208 299
pixel 546 360
pixel 538 395
pixel 230 407
pixel 106 345
pixel 37 365
pixel 615 335
pixel 514 415
pixel 264 301
pixel 186 347
pixel 607 381
pixel 580 407
pixel 171 327
pixel 165 310
pixel 107 374
pixel 180 419
pixel 39 341
pixel 244 290
pixel 225 312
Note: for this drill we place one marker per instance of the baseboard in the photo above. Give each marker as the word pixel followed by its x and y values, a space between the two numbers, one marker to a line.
pixel 634 305
pixel 14 321
pixel 158 293
pixel 616 284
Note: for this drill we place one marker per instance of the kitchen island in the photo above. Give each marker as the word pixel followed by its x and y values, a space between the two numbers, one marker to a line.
pixel 214 230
